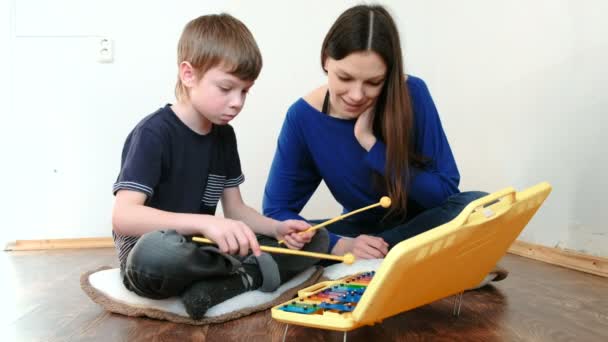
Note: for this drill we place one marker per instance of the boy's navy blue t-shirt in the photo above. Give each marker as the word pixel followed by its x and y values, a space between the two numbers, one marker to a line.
pixel 178 169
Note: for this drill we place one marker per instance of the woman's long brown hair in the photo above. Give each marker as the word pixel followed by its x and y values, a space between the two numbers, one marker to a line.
pixel 371 28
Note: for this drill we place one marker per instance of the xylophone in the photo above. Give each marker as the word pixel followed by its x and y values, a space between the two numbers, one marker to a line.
pixel 339 297
pixel 436 264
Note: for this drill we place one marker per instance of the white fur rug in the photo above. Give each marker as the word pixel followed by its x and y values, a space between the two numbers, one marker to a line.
pixel 105 287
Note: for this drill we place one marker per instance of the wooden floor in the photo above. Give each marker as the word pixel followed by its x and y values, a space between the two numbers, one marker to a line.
pixel 537 302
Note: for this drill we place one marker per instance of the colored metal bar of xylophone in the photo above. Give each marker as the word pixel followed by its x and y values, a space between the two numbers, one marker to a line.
pixel 338 298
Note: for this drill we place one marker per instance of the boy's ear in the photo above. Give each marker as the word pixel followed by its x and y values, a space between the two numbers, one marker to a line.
pixel 187 74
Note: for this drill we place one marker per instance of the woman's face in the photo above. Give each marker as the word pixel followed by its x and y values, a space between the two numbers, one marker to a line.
pixel 354 82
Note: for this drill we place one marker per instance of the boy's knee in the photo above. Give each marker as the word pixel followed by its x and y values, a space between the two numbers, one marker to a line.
pixel 319 242
pixel 158 253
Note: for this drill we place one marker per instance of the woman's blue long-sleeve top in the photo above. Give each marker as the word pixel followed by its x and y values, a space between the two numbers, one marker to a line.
pixel 314 146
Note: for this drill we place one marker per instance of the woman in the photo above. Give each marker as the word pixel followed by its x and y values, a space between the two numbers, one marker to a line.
pixel 370 131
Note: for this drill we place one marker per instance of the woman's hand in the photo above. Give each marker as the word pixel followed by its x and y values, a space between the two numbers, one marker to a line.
pixel 362 247
pixel 290 232
pixel 363 130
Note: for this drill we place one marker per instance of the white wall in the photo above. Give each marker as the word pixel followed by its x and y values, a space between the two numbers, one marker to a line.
pixel 6 97
pixel 519 85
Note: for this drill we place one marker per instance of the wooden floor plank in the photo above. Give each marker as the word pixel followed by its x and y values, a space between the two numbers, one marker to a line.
pixel 537 302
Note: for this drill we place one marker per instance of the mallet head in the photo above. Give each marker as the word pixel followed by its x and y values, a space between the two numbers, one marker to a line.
pixel 385 202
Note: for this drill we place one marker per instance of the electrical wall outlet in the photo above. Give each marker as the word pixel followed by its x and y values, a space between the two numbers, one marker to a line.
pixel 105 50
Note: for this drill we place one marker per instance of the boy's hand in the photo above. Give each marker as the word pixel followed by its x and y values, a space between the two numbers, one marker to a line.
pixel 232 236
pixel 289 231
pixel 362 247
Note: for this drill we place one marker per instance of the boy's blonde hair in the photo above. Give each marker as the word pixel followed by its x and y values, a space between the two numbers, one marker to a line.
pixel 218 39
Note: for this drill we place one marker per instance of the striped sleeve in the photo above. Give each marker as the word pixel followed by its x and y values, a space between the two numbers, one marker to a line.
pixel 141 163
pixel 234 174
pixel 235 181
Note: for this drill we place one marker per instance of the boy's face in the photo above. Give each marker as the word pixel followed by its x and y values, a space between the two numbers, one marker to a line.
pixel 219 96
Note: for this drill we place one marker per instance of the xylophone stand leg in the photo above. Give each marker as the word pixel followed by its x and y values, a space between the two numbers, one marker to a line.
pixel 457 300
pixel 285 332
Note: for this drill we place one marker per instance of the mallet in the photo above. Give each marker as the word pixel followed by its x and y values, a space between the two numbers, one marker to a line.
pixel 347 258
pixel 384 202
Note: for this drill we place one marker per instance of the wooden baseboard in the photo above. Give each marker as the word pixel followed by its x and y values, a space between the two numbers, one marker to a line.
pixel 566 258
pixel 31 245
pixel 569 259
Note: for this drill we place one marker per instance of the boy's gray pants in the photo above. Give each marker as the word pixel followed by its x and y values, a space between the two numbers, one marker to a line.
pixel 164 263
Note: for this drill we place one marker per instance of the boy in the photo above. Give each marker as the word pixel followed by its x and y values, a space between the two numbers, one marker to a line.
pixel 176 165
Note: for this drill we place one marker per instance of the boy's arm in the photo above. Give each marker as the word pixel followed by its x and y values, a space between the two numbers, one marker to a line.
pixel 131 217
pixel 235 208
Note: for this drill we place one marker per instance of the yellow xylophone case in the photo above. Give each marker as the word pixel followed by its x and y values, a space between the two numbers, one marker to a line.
pixel 436 264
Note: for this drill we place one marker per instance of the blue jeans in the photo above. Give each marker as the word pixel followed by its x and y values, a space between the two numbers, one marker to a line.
pixel 417 221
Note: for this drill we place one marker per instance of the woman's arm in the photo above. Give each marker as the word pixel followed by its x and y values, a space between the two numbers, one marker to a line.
pixel 429 186
pixel 293 177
